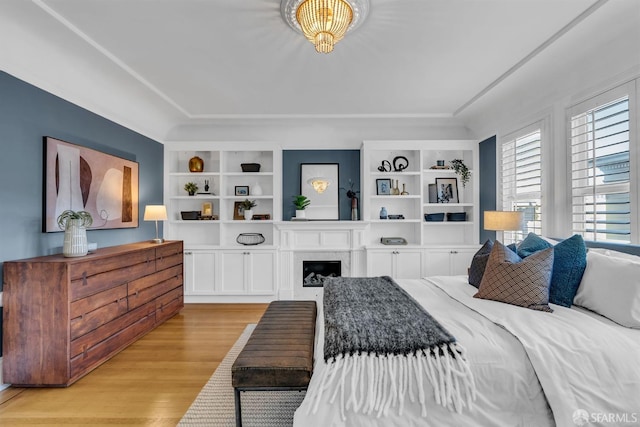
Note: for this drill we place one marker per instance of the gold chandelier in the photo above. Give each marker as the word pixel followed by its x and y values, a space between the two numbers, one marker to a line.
pixel 324 22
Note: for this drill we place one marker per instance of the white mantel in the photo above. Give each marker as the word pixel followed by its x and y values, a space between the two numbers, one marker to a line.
pixel 341 240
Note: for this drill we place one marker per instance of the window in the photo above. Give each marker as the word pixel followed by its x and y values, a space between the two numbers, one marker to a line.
pixel 522 179
pixel 600 172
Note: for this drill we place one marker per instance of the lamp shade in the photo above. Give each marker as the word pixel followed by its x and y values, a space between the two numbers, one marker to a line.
pixel 503 220
pixel 155 213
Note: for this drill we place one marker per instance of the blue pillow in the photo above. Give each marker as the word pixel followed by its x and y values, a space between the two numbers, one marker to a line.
pixel 531 244
pixel 479 263
pixel 569 263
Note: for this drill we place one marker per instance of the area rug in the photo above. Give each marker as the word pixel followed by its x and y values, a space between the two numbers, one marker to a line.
pixel 215 405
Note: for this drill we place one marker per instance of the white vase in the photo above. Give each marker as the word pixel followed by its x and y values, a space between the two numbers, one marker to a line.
pixel 248 214
pixel 300 213
pixel 75 239
pixel 256 189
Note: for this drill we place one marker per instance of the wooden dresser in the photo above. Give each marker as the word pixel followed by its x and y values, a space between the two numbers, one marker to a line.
pixel 63 317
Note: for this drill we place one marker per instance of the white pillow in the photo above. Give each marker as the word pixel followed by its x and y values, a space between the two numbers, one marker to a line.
pixel 610 286
pixel 616 254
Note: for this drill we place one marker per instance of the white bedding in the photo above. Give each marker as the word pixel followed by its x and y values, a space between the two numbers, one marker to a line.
pixel 581 360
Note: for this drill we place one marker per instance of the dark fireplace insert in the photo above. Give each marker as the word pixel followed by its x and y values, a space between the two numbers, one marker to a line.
pixel 314 272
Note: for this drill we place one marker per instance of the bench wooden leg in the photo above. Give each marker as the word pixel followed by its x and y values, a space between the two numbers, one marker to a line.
pixel 238 409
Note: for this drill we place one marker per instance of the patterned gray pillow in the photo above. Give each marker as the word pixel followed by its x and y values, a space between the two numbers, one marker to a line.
pixel 523 282
pixel 479 263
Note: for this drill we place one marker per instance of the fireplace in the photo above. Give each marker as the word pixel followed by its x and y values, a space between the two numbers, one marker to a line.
pixel 314 272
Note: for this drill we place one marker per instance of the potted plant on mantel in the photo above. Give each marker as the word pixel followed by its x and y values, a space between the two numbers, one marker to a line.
pixel 75 226
pixel 301 202
pixel 247 206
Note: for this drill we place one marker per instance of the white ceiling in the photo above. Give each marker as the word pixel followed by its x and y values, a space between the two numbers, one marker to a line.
pixel 195 60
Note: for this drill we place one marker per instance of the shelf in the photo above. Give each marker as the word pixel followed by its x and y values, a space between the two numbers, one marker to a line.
pixel 451 205
pixel 248 173
pixel 395 174
pixel 267 197
pixel 442 223
pixel 398 197
pixel 446 171
pixel 244 221
pixel 194 173
pixel 195 221
pixel 196 197
pixel 396 221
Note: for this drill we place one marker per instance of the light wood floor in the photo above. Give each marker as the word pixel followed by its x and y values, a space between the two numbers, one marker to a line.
pixel 152 382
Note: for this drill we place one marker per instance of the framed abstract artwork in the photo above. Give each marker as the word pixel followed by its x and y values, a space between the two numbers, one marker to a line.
pixel 82 179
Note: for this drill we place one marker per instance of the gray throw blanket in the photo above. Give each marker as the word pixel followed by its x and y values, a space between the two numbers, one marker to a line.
pixel 381 344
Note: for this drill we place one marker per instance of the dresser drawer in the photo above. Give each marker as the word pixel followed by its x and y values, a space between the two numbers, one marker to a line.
pixel 150 287
pixel 100 352
pixel 90 340
pixel 169 304
pixel 89 285
pixel 89 313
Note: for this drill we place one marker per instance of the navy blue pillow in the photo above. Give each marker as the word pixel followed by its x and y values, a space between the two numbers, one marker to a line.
pixel 479 263
pixel 531 244
pixel 569 263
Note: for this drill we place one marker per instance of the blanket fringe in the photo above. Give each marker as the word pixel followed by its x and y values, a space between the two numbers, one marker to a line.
pixel 374 384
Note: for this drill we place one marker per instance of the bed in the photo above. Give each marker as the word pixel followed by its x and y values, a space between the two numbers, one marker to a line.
pixel 530 368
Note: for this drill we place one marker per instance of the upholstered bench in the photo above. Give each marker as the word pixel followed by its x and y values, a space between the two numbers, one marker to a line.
pixel 279 353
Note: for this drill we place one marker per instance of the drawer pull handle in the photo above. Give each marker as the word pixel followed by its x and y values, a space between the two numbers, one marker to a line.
pixel 84 278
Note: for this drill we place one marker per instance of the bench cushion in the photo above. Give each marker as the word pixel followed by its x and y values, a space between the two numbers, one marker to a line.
pixel 279 352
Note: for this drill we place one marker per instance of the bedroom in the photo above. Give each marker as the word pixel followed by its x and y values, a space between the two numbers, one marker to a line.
pixel 50 56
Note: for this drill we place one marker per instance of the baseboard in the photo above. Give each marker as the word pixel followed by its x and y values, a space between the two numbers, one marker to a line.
pixel 2 386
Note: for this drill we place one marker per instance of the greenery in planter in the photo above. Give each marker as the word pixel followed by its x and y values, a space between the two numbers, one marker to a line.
pixel 191 188
pixel 462 170
pixel 65 218
pixel 248 204
pixel 301 202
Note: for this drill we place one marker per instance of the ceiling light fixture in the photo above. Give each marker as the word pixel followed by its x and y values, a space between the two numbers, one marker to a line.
pixel 324 22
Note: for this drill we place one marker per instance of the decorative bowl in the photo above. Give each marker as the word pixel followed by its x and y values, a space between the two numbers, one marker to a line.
pixel 250 167
pixel 250 239
pixel 456 216
pixel 189 215
pixel 434 217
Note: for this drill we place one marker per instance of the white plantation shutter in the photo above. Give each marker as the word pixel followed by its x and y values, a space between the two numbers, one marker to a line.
pixel 521 188
pixel 600 172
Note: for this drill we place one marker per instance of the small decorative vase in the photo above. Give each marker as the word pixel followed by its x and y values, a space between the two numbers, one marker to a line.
pixel 404 189
pixel 192 193
pixel 256 190
pixel 383 213
pixel 75 239
pixel 196 164
pixel 248 214
pixel 395 191
pixel 300 213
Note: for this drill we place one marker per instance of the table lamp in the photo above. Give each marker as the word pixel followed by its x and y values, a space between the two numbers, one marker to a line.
pixel 155 213
pixel 503 220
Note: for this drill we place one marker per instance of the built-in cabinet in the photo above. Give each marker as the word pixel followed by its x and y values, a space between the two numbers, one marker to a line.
pixel 215 263
pixel 411 191
pixel 396 263
pixel 400 176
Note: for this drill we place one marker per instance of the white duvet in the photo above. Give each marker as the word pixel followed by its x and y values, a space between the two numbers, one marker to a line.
pixel 561 365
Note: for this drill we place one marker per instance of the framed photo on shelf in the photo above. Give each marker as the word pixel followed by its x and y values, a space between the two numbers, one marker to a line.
pixel 238 210
pixel 383 186
pixel 447 190
pixel 207 209
pixel 242 190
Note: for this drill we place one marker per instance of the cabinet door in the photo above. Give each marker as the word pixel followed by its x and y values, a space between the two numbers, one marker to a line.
pixel 262 270
pixel 233 272
pixel 408 264
pixel 437 262
pixel 380 263
pixel 200 272
pixel 461 260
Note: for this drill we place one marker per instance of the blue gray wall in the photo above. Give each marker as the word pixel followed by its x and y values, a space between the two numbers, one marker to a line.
pixel 487 169
pixel 349 169
pixel 26 115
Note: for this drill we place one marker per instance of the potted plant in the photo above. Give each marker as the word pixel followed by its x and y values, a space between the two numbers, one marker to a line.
pixel 462 170
pixel 301 202
pixel 74 224
pixel 247 206
pixel 191 188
